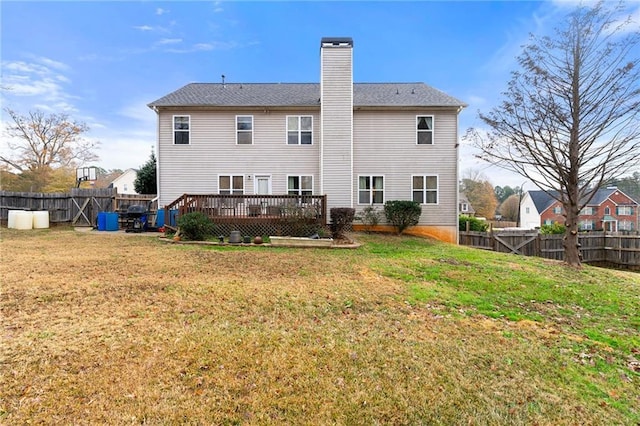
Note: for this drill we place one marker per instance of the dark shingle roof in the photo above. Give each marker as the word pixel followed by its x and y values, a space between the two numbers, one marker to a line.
pixel 304 94
pixel 542 200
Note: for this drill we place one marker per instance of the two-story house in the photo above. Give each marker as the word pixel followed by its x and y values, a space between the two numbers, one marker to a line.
pixel 610 209
pixel 360 144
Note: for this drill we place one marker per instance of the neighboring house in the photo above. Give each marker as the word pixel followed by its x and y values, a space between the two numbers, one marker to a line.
pixel 125 182
pixel 359 144
pixel 610 209
pixel 464 206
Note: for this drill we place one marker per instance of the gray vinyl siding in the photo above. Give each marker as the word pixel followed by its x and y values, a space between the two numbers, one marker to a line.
pixel 212 151
pixel 337 125
pixel 385 145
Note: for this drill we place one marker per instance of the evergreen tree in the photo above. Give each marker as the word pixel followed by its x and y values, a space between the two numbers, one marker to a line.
pixel 146 182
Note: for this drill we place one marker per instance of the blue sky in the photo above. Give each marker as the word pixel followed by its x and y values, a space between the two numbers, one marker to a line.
pixel 102 62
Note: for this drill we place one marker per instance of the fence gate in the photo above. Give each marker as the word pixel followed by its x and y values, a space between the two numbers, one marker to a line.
pixel 516 242
pixel 87 203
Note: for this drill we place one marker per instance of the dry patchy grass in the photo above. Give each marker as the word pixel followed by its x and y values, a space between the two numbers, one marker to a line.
pixel 118 330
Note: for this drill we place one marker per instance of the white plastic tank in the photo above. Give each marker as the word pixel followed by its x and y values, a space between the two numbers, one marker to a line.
pixel 23 220
pixel 41 219
pixel 11 222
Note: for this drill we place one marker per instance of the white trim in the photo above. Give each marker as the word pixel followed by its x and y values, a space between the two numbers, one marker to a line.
pixel 286 124
pixel 253 129
pixel 255 183
pixel 300 182
pixel 433 129
pixel 173 129
pixel 424 203
pixel 231 176
pixel 371 176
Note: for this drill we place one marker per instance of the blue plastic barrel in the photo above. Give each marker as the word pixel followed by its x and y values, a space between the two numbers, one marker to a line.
pixel 173 217
pixel 111 222
pixel 102 221
pixel 160 218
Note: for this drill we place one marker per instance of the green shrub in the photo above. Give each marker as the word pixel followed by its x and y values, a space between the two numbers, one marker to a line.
pixel 554 228
pixel 196 226
pixel 475 224
pixel 341 220
pixel 402 214
pixel 370 218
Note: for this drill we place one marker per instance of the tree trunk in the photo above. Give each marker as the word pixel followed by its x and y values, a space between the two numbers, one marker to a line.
pixel 570 242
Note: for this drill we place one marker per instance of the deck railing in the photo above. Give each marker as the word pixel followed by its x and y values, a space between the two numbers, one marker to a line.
pixel 271 212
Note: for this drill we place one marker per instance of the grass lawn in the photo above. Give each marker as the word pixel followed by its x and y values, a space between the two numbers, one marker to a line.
pixel 119 329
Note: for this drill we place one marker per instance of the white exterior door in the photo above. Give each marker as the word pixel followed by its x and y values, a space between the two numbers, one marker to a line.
pixel 263 185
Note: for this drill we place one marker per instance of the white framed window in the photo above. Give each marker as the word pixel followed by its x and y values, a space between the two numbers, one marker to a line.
pixel 527 210
pixel 464 207
pixel 181 129
pixel 424 189
pixel 586 225
pixel 625 225
pixel 370 189
pixel 299 130
pixel 300 185
pixel 587 211
pixel 244 129
pixel 607 210
pixel 424 129
pixel 231 184
pixel 625 211
pixel 557 210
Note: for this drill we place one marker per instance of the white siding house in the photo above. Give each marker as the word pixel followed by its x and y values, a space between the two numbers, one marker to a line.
pixel 359 144
pixel 125 182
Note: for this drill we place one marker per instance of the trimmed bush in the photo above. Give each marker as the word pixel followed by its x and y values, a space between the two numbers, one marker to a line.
pixel 196 226
pixel 475 224
pixel 370 218
pixel 341 220
pixel 402 214
pixel 554 228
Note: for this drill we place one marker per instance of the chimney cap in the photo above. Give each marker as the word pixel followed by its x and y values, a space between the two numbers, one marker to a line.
pixel 336 41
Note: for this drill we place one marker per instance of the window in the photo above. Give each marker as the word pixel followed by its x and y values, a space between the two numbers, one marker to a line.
pixel 371 190
pixel 557 210
pixel 625 210
pixel 625 225
pixel 299 130
pixel 527 210
pixel 464 207
pixel 228 185
pixel 607 210
pixel 244 129
pixel 300 185
pixel 587 211
pixel 181 126
pixel 425 189
pixel 424 130
pixel 586 225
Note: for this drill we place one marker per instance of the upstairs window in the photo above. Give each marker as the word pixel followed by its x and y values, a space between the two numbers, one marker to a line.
pixel 587 211
pixel 231 185
pixel 424 130
pixel 244 129
pixel 425 189
pixel 181 126
pixel 300 185
pixel 625 210
pixel 300 130
pixel 607 211
pixel 557 210
pixel 370 190
pixel 464 207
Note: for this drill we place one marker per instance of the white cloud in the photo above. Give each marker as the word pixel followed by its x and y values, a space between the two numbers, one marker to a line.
pixel 217 7
pixel 143 27
pixel 170 41
pixel 161 11
pixel 41 79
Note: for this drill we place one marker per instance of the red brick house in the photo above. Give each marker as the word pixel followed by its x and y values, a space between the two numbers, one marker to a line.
pixel 610 209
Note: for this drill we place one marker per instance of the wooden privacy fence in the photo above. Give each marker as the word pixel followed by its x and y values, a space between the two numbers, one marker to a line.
pixel 80 207
pixel 596 247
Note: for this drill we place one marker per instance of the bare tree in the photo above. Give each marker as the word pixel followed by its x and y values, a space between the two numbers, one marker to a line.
pixel 569 118
pixel 39 143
